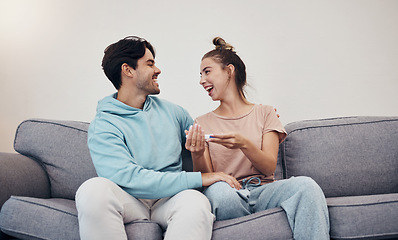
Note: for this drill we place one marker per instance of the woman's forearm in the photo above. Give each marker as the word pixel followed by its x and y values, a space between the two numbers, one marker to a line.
pixel 264 159
pixel 202 162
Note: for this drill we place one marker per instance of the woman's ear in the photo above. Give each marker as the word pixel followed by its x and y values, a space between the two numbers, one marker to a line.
pixel 231 70
pixel 127 70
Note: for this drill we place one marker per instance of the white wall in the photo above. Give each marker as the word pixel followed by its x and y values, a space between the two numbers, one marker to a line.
pixel 310 58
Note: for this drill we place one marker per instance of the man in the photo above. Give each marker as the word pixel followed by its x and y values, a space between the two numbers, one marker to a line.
pixel 135 142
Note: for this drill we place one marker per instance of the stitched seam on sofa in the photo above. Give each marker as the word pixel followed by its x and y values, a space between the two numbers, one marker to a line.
pixel 47 122
pixel 43 205
pixel 366 236
pixel 345 124
pixel 330 119
pixel 58 124
pixel 248 220
pixel 341 118
pixel 363 204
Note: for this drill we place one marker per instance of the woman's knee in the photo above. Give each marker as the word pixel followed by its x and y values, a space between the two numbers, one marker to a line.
pixel 220 191
pixel 308 186
pixel 307 182
pixel 225 201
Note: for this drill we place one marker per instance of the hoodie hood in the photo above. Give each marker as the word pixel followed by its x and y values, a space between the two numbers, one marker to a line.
pixel 111 105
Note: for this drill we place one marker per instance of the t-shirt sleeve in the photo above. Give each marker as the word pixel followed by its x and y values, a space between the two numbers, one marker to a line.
pixel 272 123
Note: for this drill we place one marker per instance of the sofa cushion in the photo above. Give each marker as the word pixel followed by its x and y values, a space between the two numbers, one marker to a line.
pixel 345 156
pixel 20 175
pixel 61 147
pixel 364 217
pixel 269 224
pixel 34 218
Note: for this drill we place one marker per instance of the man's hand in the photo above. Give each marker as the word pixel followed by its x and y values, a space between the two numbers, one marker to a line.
pixel 210 178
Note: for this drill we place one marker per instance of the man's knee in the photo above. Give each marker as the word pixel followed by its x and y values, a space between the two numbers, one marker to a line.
pixel 190 203
pixel 92 194
pixel 192 200
pixel 93 186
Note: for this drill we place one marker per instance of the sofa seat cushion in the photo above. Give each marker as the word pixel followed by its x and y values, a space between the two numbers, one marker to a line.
pixel 55 218
pixel 268 224
pixel 364 217
pixel 35 218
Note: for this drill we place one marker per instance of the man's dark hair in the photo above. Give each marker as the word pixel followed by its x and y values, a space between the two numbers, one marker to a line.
pixel 128 50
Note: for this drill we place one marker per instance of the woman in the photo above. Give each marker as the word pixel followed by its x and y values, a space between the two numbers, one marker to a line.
pixel 244 141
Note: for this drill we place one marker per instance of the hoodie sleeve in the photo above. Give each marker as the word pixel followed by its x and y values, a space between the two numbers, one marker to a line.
pixel 112 160
pixel 185 122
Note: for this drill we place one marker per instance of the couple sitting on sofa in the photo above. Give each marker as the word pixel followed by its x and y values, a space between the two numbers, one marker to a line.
pixel 136 141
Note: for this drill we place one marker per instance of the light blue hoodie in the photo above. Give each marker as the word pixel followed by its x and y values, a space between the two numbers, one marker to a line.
pixel 140 149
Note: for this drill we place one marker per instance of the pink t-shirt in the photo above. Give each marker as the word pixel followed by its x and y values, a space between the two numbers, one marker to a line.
pixel 253 125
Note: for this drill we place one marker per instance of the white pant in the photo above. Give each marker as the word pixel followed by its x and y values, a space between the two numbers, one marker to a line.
pixel 103 208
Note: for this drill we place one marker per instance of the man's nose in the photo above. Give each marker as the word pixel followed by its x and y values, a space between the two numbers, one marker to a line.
pixel 157 70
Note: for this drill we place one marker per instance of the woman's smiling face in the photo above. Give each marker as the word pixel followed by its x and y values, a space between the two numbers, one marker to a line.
pixel 213 78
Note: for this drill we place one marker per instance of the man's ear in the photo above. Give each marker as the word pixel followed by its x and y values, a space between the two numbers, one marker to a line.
pixel 127 70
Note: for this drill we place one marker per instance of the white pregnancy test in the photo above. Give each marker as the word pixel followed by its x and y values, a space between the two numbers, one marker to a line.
pixel 207 136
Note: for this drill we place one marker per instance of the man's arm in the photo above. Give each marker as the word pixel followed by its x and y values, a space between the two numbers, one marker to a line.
pixel 112 160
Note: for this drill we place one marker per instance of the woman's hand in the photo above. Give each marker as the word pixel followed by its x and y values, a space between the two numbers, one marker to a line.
pixel 229 140
pixel 264 159
pixel 195 140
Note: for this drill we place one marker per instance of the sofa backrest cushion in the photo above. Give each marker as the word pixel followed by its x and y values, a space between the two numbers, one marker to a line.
pixel 345 156
pixel 61 147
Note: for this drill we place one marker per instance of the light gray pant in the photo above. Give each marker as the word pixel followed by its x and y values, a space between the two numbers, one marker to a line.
pixel 300 197
pixel 104 208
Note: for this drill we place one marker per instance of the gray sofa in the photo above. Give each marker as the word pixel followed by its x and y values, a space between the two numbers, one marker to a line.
pixel 354 160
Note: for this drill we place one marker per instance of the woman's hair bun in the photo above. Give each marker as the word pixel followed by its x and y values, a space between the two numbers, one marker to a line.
pixel 222 45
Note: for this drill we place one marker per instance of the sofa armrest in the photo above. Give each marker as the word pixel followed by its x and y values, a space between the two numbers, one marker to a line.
pixel 22 176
